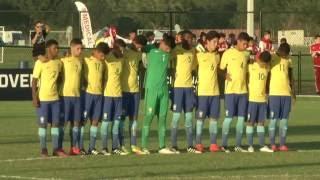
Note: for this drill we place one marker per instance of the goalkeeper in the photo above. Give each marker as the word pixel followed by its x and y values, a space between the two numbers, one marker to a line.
pixel 157 95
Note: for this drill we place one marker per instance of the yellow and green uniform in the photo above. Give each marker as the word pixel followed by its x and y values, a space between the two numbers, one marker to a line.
pixel 71 76
pixel 280 82
pixel 93 75
pixel 257 83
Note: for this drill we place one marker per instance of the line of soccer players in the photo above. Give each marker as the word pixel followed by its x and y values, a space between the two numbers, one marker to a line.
pixel 104 88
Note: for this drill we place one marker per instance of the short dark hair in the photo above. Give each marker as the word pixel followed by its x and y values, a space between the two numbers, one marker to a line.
pixel 184 32
pixel 243 36
pixel 169 41
pixel 265 56
pixel 75 41
pixel 212 34
pixel 51 42
pixel 251 38
pixel 283 40
pixel 103 47
pixel 284 49
pixel 222 35
pixel 36 22
pixel 267 32
pixel 140 39
pixel 120 43
pixel 317 36
pixel 149 33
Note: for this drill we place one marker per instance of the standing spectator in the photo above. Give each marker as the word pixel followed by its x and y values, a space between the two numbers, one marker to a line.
pixel 222 44
pixel 315 53
pixel 38 38
pixel 150 37
pixel 265 43
pixel 201 42
pixel 231 41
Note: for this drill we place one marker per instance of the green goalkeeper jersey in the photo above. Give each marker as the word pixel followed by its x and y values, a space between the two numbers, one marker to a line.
pixel 157 68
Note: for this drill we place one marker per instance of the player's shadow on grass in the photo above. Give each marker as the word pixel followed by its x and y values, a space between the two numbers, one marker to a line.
pixel 304 145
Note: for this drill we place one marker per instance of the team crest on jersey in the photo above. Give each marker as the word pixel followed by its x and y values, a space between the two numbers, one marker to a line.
pixel 174 107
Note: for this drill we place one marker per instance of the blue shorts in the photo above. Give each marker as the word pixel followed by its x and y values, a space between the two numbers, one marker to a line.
pixel 93 106
pixel 257 112
pixel 49 112
pixel 183 99
pixel 279 107
pixel 71 108
pixel 208 106
pixel 236 105
pixel 112 108
pixel 130 104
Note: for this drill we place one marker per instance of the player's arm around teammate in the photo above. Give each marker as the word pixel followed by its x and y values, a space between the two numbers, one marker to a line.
pixel 208 94
pixel 94 67
pixel 236 93
pixel 45 97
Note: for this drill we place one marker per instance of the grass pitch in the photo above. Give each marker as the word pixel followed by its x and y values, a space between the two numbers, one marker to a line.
pixel 19 153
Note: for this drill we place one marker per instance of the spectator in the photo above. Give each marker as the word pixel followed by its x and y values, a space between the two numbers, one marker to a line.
pixel 315 53
pixel 266 44
pixel 150 37
pixel 38 38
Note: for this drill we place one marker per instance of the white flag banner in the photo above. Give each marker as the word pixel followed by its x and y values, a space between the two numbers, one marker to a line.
pixel 86 28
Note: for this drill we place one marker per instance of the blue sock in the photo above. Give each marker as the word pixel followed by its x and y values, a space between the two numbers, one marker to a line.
pixel 93 137
pixel 188 126
pixel 55 138
pixel 260 132
pixel 239 130
pixel 61 137
pixel 272 131
pixel 283 127
pixel 42 132
pixel 199 127
pixel 115 134
pixel 213 131
pixel 81 139
pixel 249 132
pixel 133 132
pixel 75 136
pixel 121 132
pixel 174 129
pixel 104 133
pixel 225 131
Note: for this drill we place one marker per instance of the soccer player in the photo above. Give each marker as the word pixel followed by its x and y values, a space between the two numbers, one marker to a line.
pixel 281 92
pixel 70 93
pixel 265 43
pixel 315 53
pixel 130 91
pixel 45 97
pixel 235 61
pixel 157 95
pixel 94 68
pixel 257 108
pixel 208 91
pixel 112 107
pixel 183 93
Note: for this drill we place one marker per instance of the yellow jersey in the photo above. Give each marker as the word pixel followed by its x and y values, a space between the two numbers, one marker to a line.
pixel 71 76
pixel 279 80
pixel 93 75
pixel 208 64
pixel 257 82
pixel 47 74
pixel 113 76
pixel 129 78
pixel 236 63
pixel 184 64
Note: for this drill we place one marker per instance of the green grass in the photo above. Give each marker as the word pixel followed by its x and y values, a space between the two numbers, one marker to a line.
pixel 18 140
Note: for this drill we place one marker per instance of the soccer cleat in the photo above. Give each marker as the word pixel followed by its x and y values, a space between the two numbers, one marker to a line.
pixel 193 150
pixel 83 152
pixel 199 147
pixel 105 152
pixel 214 148
pixel 175 150
pixel 239 149
pixel 119 152
pixel 135 149
pixel 250 149
pixel 265 149
pixel 125 150
pixel 274 148
pixel 93 152
pixel 145 151
pixel 166 151
pixel 60 153
pixel 283 148
pixel 74 151
pixel 225 149
pixel 44 153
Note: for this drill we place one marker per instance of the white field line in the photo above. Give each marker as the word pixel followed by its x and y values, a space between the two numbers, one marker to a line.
pixel 309 96
pixel 25 177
